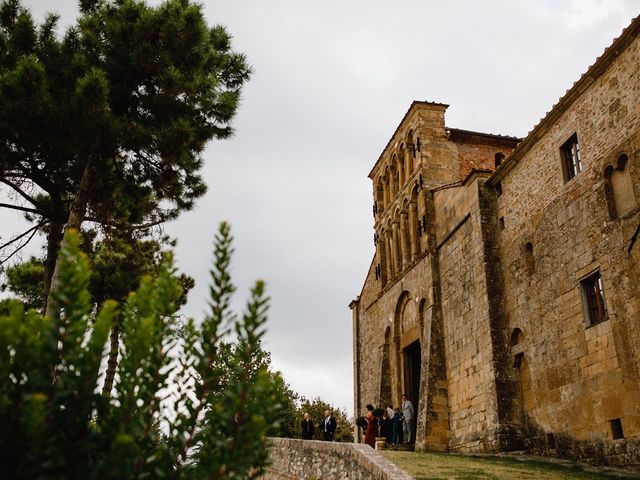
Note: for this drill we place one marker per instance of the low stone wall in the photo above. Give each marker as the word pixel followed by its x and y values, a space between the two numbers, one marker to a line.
pixel 294 459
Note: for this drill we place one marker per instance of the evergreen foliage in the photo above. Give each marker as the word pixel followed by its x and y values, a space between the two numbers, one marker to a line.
pixel 170 414
pixel 108 122
pixel 118 261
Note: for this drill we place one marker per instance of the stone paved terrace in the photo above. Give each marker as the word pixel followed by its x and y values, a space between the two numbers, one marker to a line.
pixel 295 459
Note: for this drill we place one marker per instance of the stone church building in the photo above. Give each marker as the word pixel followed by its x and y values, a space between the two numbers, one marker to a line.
pixel 504 294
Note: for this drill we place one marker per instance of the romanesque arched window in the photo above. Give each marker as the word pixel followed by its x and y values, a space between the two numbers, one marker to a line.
pixel 396 174
pixel 408 161
pixel 516 337
pixel 380 196
pixel 387 187
pixel 397 240
pixel 529 260
pixel 619 188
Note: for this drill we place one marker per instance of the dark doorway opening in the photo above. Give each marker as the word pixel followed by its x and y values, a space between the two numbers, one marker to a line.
pixel 412 365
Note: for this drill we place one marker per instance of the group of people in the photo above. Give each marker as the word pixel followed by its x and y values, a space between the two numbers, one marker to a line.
pixel 328 426
pixel 396 425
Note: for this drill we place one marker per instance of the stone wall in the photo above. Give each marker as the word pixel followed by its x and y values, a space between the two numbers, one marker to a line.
pixel 294 459
pixel 576 378
pixel 498 295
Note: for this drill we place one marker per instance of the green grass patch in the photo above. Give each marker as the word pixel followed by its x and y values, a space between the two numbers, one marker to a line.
pixel 434 466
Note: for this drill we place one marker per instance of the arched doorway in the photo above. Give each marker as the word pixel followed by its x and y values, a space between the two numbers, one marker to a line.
pixel 412 363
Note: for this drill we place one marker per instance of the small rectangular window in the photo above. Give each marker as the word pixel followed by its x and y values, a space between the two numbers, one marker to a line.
pixel 570 153
pixel 551 441
pixel 501 223
pixel 499 188
pixel 595 308
pixel 616 429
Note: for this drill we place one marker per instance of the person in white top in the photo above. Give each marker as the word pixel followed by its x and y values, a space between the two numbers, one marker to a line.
pixel 407 426
pixel 390 412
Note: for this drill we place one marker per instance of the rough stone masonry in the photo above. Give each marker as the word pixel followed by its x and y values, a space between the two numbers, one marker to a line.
pixel 504 294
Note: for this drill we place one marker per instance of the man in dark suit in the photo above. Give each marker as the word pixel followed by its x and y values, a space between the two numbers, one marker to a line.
pixel 329 426
pixel 307 427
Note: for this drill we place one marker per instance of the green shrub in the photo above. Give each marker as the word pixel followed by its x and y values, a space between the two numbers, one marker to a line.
pixel 167 416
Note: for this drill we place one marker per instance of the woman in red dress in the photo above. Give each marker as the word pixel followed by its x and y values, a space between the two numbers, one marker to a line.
pixel 372 428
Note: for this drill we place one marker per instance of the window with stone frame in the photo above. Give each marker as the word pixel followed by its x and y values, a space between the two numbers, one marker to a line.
pixel 571 159
pixel 593 300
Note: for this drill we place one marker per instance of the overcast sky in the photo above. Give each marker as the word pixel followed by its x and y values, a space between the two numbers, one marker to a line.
pixel 332 80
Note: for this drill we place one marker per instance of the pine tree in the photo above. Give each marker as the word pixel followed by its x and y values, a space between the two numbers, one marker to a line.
pixel 107 124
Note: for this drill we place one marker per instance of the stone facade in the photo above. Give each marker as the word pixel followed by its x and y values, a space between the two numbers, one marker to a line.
pixel 504 294
pixel 294 459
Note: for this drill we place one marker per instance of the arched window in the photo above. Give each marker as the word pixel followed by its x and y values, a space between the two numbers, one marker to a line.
pixel 499 157
pixel 379 196
pixel 401 168
pixel 619 192
pixel 529 260
pixel 387 187
pixel 397 239
pixel 516 337
pixel 408 160
pixel 394 175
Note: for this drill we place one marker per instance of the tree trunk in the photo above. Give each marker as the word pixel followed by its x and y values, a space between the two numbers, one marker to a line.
pixel 112 362
pixel 77 213
pixel 54 239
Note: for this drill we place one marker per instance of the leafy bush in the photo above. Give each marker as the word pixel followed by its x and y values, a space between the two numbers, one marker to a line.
pixel 167 416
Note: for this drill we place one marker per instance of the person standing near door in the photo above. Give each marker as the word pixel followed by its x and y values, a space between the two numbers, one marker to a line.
pixel 407 425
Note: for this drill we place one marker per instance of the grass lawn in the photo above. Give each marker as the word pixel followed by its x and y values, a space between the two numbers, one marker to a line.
pixel 442 466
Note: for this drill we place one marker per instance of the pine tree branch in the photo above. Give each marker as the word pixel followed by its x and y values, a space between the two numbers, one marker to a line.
pixel 22 209
pixel 125 225
pixel 21 192
pixel 21 235
pixel 33 231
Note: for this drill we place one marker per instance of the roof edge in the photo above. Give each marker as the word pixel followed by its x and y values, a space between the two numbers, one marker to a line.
pixel 460 135
pixel 594 72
